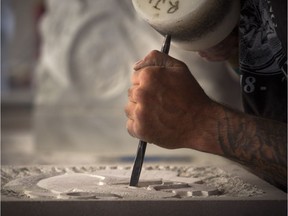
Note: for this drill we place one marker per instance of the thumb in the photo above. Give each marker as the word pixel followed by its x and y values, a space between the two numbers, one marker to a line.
pixel 156 58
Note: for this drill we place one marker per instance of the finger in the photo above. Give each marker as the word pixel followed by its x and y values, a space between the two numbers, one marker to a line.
pixel 130 127
pixel 130 110
pixel 133 127
pixel 135 78
pixel 145 76
pixel 156 58
pixel 137 94
pixel 131 91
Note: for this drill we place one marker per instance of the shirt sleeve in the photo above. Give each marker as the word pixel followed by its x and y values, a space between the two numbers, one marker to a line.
pixel 263 61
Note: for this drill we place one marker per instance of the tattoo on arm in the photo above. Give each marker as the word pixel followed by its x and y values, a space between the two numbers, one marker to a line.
pixel 257 143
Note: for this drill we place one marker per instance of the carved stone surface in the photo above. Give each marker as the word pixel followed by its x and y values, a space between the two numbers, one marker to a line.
pixel 169 190
pixel 113 182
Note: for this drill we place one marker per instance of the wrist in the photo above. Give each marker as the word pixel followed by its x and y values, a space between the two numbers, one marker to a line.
pixel 205 135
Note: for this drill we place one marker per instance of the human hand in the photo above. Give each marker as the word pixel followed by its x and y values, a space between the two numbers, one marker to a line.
pixel 167 106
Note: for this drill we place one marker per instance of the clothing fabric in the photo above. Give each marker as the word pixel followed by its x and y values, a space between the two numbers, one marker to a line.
pixel 263 58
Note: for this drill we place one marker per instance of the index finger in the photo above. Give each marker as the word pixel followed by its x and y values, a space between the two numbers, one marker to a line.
pixel 135 78
pixel 158 59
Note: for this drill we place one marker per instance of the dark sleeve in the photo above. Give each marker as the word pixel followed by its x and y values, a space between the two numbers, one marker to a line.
pixel 280 11
pixel 263 59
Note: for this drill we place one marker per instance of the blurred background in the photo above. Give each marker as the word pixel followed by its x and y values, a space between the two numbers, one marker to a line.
pixel 65 72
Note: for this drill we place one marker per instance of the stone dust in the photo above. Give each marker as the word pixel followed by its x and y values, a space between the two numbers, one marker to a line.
pixel 112 182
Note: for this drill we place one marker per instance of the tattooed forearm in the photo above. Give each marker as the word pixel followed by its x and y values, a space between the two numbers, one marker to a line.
pixel 257 143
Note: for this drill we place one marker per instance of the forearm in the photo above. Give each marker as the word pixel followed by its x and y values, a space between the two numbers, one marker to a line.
pixel 260 144
pixel 188 118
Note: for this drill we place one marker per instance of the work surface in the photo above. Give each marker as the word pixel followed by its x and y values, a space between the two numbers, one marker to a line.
pixel 104 190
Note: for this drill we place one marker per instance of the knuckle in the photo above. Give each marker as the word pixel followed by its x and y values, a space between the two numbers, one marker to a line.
pixel 153 54
pixel 146 75
pixel 141 113
pixel 151 75
pixel 127 110
pixel 141 95
pixel 130 94
pixel 129 91
pixel 140 131
pixel 129 127
pixel 142 124
pixel 134 78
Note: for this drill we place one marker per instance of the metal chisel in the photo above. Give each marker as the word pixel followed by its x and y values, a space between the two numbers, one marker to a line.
pixel 142 144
